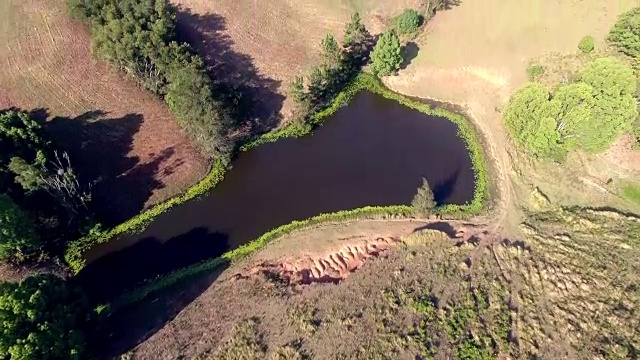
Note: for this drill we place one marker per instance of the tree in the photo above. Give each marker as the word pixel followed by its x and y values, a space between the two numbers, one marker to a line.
pixel 331 52
pixel 42 319
pixel 531 120
pixel 614 87
pixel 423 202
pixel 625 34
pixel 27 175
pixel 386 56
pixel 355 41
pixel 18 239
pixel 408 22
pixel 589 114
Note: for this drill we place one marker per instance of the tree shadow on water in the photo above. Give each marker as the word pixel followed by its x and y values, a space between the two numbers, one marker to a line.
pixel 445 190
pixel 107 278
pixel 132 325
pixel 259 102
pixel 100 148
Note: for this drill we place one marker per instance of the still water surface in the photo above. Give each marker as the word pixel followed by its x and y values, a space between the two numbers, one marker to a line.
pixel 373 152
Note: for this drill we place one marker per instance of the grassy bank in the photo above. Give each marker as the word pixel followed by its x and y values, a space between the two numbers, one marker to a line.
pixel 362 82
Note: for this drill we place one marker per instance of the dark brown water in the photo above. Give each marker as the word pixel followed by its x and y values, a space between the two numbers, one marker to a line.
pixel 373 152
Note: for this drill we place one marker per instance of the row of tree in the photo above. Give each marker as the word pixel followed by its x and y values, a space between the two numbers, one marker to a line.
pixel 588 114
pixel 139 38
pixel 339 63
pixel 41 198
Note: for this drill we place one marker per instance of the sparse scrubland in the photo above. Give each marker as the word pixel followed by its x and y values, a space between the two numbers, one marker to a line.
pixel 542 264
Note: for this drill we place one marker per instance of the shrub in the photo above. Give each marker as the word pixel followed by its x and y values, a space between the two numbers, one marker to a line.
pixel 535 71
pixel 625 34
pixel 587 44
pixel 386 56
pixel 18 239
pixel 423 202
pixel 408 22
pixel 42 319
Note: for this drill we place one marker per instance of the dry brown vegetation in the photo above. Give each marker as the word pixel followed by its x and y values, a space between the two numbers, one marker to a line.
pixel 567 288
pixel 113 129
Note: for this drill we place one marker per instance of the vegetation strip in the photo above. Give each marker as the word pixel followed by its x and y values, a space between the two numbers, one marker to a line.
pixel 362 82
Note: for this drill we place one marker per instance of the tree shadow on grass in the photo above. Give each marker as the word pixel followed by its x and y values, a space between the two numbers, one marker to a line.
pixel 409 52
pixel 106 279
pixel 256 98
pixel 99 147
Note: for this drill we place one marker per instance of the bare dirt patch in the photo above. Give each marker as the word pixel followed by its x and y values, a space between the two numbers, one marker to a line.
pixel 332 268
pixel 114 130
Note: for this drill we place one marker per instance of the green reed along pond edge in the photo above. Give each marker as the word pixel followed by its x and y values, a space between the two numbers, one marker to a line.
pixel 74 254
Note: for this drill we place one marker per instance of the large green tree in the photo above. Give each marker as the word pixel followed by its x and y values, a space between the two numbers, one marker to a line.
pixel 386 56
pixel 589 114
pixel 625 34
pixel 42 319
pixel 531 119
pixel 18 239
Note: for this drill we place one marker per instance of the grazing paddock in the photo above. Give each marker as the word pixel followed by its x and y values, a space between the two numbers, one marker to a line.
pixel 114 131
pixel 265 47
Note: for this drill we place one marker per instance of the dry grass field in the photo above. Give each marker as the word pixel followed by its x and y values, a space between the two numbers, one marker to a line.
pixel 565 289
pixel 113 130
pixel 265 47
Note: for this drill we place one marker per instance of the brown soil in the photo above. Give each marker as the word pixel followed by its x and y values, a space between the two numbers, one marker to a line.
pixel 113 129
pixel 333 267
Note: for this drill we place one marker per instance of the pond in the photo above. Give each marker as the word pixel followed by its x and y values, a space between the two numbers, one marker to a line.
pixel 372 152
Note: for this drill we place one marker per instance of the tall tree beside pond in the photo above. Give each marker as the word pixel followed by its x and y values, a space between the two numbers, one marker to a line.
pixel 18 238
pixel 386 56
pixel 423 202
pixel 355 41
pixel 42 318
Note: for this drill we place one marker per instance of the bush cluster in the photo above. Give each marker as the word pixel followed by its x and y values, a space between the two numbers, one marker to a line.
pixel 139 38
pixel 408 22
pixel 588 114
pixel 587 44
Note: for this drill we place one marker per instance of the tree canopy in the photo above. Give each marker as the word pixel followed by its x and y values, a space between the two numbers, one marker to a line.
pixel 625 34
pixel 386 56
pixel 18 239
pixel 588 114
pixel 139 37
pixel 42 319
pixel 408 22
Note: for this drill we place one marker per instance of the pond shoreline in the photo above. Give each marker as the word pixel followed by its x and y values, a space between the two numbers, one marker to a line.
pixel 466 132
